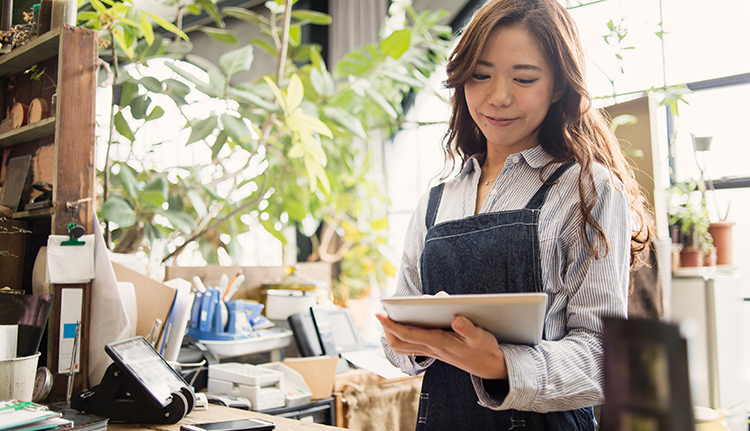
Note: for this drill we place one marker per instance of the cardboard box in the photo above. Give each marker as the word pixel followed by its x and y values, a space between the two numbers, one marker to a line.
pixel 154 300
pixel 318 372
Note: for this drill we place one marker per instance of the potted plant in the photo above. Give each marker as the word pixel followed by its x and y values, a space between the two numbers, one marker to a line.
pixel 300 133
pixel 689 221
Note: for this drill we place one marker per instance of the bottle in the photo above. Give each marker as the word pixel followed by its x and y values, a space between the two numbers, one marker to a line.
pixel 64 12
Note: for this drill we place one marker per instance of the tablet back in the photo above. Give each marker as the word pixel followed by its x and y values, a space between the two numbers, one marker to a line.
pixel 515 318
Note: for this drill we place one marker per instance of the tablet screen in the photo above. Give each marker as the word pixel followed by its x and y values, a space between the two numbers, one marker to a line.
pixel 143 362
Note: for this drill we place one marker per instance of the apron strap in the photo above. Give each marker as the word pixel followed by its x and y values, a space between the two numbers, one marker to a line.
pixel 432 205
pixel 538 199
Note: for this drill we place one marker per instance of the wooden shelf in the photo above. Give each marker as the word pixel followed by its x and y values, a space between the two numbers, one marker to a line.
pixel 40 129
pixel 34 214
pixel 42 48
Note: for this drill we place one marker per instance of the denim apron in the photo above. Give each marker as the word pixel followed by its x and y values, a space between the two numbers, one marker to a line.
pixel 485 253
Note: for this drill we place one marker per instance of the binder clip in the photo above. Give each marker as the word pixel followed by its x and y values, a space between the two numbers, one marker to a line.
pixel 74 232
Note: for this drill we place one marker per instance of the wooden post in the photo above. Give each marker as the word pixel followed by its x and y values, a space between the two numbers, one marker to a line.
pixel 73 192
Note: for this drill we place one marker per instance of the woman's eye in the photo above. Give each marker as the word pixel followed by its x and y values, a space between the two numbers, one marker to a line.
pixel 526 81
pixel 480 77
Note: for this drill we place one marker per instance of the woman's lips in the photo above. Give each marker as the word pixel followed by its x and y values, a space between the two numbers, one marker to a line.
pixel 499 122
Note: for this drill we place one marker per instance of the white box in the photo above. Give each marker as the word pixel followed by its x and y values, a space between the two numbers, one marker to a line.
pixel 294 386
pixel 245 374
pixel 262 397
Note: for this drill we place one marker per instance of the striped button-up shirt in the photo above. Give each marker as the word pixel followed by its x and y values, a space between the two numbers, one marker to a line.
pixel 565 371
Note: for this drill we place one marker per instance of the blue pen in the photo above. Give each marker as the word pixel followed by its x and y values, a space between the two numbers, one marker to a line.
pixel 195 313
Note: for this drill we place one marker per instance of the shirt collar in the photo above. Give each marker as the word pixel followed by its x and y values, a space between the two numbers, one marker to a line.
pixel 535 157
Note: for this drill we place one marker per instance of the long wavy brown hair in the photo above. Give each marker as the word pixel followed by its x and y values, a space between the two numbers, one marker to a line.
pixel 572 129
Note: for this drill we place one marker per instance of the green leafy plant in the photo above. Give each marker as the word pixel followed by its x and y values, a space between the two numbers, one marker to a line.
pixel 286 149
pixel 689 215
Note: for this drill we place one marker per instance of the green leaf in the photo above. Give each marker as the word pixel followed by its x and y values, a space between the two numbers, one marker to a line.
pixel 322 82
pixel 381 101
pixel 158 184
pixel 199 84
pixel 175 203
pixel 151 199
pixel 317 18
pixel 218 144
pixel 129 90
pixel 98 6
pixel 152 232
pixel 295 92
pixel 166 25
pixel 123 44
pixel 202 129
pixel 129 183
pixel 245 15
pixel 268 225
pixel 155 113
pixel 122 127
pixel 139 106
pixel 118 210
pixel 346 120
pixel 397 43
pixel 197 202
pixel 265 46
pixel 212 10
pixel 379 224
pixel 295 35
pixel 251 98
pixel 236 129
pixel 147 30
pixel 87 16
pixel 276 92
pixel 179 220
pixel 151 84
pixel 173 85
pixel 220 35
pixel 237 61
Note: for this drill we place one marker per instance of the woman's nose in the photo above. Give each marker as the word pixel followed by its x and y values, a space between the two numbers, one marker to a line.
pixel 500 94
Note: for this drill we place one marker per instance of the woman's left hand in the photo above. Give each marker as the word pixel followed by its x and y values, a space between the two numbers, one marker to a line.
pixel 467 347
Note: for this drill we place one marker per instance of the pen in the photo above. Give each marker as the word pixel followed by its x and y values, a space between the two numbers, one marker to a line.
pixel 17 406
pixel 72 374
pixel 233 286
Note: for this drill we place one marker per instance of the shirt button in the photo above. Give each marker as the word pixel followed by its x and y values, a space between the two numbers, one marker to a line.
pixel 514 159
pixel 493 192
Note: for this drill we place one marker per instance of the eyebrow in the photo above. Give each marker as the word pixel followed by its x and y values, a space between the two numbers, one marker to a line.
pixel 516 67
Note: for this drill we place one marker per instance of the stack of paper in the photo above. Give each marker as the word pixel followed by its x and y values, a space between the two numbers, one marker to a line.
pixel 28 416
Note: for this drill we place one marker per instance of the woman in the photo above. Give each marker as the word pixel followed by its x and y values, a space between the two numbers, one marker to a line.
pixel 543 203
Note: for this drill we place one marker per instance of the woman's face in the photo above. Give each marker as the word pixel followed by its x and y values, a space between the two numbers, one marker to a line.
pixel 511 90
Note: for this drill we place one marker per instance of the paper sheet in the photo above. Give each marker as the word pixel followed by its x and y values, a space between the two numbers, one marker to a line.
pixel 178 318
pixel 109 320
pixel 8 341
pixel 374 360
pixel 70 264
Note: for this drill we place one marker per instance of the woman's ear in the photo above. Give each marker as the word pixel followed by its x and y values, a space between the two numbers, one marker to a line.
pixel 560 88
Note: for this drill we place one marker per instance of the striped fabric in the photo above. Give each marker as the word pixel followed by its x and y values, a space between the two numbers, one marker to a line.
pixel 565 371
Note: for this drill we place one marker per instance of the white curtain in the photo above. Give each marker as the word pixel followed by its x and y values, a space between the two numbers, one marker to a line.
pixel 355 23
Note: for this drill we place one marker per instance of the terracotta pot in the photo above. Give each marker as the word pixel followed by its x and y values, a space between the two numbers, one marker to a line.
pixel 691 258
pixel 710 258
pixel 721 232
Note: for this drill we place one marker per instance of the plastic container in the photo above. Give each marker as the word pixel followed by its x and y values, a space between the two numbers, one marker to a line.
pixel 17 378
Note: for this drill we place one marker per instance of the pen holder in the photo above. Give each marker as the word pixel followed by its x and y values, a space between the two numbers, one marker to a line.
pixel 17 378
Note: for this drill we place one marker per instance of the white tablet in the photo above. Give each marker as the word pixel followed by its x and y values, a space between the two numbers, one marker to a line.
pixel 516 318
